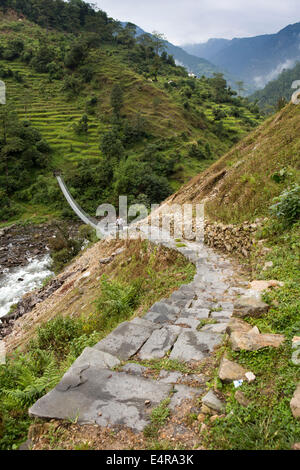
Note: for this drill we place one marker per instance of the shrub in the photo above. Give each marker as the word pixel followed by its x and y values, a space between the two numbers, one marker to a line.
pixel 117 302
pixel 287 205
pixel 82 126
pixel 57 335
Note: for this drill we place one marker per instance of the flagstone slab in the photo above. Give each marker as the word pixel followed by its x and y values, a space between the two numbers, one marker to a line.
pixel 125 340
pixel 188 321
pixel 199 313
pixel 93 357
pixel 159 318
pixel 216 328
pixel 159 343
pixel 162 307
pixel 222 314
pixel 169 377
pixel 135 369
pixel 105 398
pixel 194 345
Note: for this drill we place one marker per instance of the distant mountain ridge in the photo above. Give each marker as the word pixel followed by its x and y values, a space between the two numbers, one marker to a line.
pixel 256 60
pixel 194 64
pixel 281 87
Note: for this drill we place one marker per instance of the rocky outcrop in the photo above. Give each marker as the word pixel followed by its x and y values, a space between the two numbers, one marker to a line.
pixel 212 402
pixel 241 398
pixel 254 341
pixel 20 242
pixel 243 336
pixel 260 286
pixel 250 306
pixel 238 325
pixel 230 371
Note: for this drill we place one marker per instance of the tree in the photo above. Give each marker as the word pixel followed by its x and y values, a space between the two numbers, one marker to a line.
pixel 22 151
pixel 111 146
pixel 134 178
pixel 43 57
pixel 126 35
pixel 159 45
pixel 83 125
pixel 76 55
pixel 15 48
pixel 159 42
pixel 281 103
pixel 116 99
pixel 240 87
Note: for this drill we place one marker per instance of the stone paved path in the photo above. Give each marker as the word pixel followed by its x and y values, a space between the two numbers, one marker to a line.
pixel 91 392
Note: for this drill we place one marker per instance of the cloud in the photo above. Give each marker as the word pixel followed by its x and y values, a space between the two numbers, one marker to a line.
pixel 261 81
pixel 198 20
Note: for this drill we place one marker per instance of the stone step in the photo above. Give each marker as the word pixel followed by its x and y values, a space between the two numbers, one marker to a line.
pixel 194 346
pixel 216 328
pixel 159 318
pixel 199 313
pixel 103 397
pixel 164 308
pixel 183 392
pixel 183 294
pixel 202 304
pixel 184 303
pixel 159 343
pixel 190 322
pixel 222 314
pixel 92 393
pixel 125 340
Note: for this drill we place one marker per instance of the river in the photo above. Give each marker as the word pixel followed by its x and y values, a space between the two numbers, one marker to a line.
pixel 16 282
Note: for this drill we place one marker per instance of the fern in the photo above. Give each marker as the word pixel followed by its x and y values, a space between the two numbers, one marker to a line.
pixel 29 387
pixel 117 301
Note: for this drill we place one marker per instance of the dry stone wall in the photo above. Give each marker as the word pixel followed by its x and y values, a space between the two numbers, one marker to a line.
pixel 231 238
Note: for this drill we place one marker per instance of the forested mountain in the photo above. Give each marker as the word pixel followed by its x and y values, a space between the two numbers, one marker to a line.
pixel 193 63
pixel 111 111
pixel 256 60
pixel 207 49
pixel 277 92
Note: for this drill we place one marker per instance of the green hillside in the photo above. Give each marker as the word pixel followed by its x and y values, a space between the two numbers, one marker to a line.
pixel 105 105
pixel 260 178
pixel 258 169
pixel 277 92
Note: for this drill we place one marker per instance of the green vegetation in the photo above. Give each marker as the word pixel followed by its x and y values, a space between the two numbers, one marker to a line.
pixel 22 152
pixel 114 113
pixel 287 205
pixel 117 302
pixel 267 422
pixel 277 93
pixel 159 415
pixel 28 376
pixel 260 178
pixel 150 274
pixel 265 167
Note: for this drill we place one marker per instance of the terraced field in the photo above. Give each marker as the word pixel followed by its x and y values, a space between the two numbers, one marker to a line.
pixel 46 107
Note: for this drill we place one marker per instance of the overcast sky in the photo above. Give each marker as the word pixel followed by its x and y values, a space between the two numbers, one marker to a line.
pixel 184 21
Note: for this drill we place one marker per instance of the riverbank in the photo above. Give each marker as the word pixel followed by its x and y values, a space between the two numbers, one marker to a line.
pixel 20 243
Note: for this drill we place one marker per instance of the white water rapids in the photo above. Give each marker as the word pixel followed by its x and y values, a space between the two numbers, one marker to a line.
pixel 16 282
